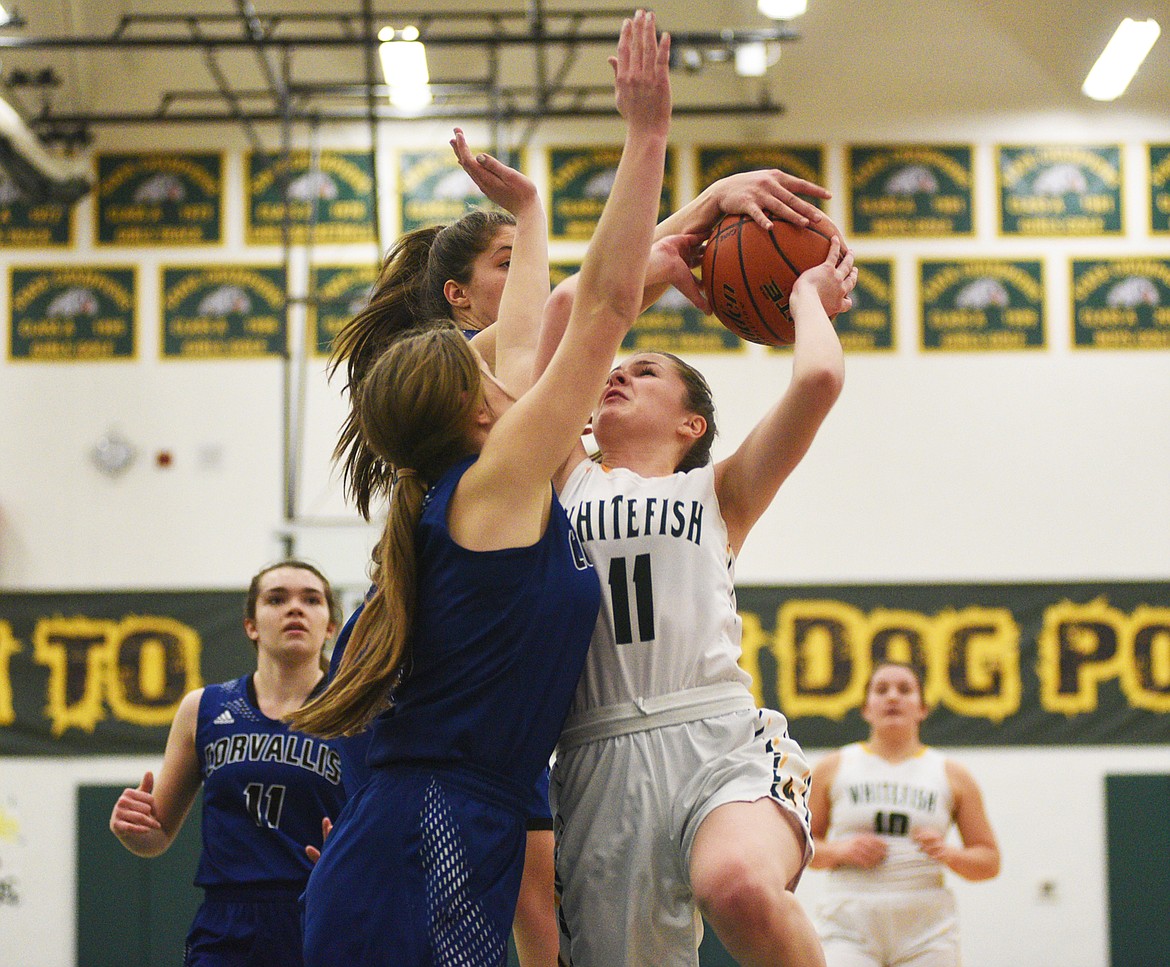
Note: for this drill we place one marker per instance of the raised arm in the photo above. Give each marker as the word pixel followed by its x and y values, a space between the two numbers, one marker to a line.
pixel 747 481
pixel 146 820
pixel 513 337
pixel 537 434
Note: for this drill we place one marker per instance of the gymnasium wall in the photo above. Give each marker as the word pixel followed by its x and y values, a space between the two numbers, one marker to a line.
pixel 1038 466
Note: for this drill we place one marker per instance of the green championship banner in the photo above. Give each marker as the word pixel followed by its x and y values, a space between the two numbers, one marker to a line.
pixel 434 190
pixel 715 162
pixel 1121 303
pixel 981 304
pixel 1059 190
pixel 671 325
pixel 223 312
pixel 26 224
pixel 869 325
pixel 580 180
pixel 1159 159
pixel 159 199
pixel 915 190
pixel 328 198
pixel 340 292
pixel 1004 664
pixel 75 313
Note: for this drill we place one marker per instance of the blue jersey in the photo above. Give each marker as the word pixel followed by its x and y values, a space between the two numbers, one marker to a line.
pixel 353 748
pixel 436 835
pixel 496 651
pixel 265 790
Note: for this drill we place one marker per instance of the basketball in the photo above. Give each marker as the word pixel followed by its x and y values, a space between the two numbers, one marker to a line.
pixel 748 274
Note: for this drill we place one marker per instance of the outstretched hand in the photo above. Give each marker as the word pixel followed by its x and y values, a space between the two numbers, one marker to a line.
pixel 504 186
pixel 671 261
pixel 642 74
pixel 833 279
pixel 771 193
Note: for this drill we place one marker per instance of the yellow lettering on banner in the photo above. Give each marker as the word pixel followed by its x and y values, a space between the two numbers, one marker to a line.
pixel 822 662
pixel 824 652
pixel 907 637
pixel 1145 676
pixel 1080 647
pixel 154 662
pixel 75 651
pixel 980 648
pixel 9 646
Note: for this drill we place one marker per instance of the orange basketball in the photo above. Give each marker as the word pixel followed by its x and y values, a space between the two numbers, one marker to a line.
pixel 748 274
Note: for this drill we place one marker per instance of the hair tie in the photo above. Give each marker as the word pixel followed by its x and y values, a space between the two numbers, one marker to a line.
pixel 399 473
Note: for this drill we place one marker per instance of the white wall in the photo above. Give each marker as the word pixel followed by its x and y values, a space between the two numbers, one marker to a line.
pixel 984 467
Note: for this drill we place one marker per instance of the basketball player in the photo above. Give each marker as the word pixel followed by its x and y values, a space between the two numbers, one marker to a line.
pixel 457 272
pixel 671 790
pixel 482 594
pixel 881 810
pixel 266 788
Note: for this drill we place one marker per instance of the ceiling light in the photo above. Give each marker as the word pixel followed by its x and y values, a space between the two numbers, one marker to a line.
pixel 782 9
pixel 751 60
pixel 1120 59
pixel 404 65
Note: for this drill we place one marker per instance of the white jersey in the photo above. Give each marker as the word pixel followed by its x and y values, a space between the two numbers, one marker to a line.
pixel 892 799
pixel 668 618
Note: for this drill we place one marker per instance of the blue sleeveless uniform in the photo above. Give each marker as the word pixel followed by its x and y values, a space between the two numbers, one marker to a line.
pixel 354 748
pixel 265 790
pixel 423 867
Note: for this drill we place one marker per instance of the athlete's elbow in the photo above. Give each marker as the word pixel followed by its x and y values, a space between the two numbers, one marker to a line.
pixel 821 384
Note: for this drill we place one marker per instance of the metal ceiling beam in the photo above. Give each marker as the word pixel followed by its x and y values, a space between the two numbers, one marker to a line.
pixel 387 113
pixel 435 38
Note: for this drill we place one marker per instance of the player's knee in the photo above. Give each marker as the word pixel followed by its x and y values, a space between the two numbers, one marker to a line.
pixel 738 890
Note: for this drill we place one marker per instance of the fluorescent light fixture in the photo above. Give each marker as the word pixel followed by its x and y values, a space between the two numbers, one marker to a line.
pixel 1120 59
pixel 404 65
pixel 782 9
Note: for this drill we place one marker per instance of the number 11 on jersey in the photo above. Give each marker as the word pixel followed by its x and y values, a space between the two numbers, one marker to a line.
pixel 619 590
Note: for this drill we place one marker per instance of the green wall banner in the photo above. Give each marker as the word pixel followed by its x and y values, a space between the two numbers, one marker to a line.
pixel 159 199
pixel 103 673
pixel 341 292
pixel 715 162
pixel 81 313
pixel 981 304
pixel 327 198
pixel 1004 664
pixel 223 312
pixel 26 224
pixel 1121 303
pixel 1159 161
pixel 580 180
pixel 910 190
pixel 434 190
pixel 869 325
pixel 1060 190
